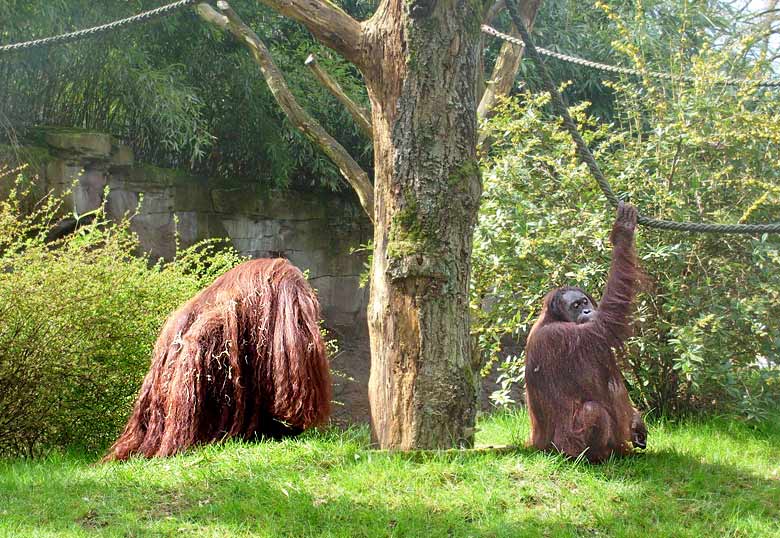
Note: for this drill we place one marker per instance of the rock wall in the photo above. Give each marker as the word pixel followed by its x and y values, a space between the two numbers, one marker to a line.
pixel 317 232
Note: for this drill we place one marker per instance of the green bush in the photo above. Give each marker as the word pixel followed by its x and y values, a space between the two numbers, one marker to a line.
pixel 78 319
pixel 707 333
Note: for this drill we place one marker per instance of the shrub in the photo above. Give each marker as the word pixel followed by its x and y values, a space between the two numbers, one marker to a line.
pixel 707 332
pixel 78 319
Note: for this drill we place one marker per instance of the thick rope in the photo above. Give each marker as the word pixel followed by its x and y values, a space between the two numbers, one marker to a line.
pixel 96 30
pixel 586 156
pixel 582 149
pixel 726 81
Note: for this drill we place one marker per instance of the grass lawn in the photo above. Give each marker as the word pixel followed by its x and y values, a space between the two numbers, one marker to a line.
pixel 697 479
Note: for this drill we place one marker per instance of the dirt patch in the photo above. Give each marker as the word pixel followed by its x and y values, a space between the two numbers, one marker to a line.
pixel 92 520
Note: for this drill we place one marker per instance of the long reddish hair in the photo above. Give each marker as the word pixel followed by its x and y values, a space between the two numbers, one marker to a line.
pixel 243 358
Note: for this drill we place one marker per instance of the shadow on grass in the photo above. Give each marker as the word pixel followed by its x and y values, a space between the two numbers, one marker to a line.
pixel 666 493
pixel 682 495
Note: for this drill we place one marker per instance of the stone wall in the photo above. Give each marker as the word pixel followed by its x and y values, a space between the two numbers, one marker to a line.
pixel 317 232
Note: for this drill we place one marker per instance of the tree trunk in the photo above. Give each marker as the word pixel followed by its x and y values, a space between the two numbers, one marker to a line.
pixel 422 58
pixel 421 62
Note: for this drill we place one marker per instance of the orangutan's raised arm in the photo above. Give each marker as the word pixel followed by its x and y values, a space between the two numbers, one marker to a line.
pixel 575 393
pixel 624 274
pixel 570 316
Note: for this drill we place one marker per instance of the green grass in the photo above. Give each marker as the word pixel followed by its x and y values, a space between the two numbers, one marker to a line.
pixel 710 478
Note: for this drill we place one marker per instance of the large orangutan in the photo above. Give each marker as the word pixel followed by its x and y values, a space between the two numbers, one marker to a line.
pixel 576 395
pixel 243 358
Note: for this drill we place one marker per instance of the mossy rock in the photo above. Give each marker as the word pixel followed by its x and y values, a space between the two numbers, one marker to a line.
pixel 193 195
pixel 122 155
pixel 79 144
pixel 35 156
pixel 147 175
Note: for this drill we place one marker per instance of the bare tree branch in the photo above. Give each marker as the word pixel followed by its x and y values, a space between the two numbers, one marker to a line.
pixel 761 14
pixel 506 67
pixel 493 11
pixel 361 116
pixel 490 14
pixel 502 79
pixel 508 61
pixel 329 24
pixel 229 21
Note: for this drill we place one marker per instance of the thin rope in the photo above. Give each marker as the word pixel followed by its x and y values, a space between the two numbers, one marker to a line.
pixel 728 81
pixel 96 30
pixel 586 156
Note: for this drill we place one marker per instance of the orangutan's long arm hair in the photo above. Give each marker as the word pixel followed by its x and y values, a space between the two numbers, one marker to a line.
pixel 242 358
pixel 575 392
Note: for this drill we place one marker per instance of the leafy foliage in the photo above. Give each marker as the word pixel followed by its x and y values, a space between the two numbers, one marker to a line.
pixel 78 321
pixel 706 331
pixel 181 93
pixel 652 34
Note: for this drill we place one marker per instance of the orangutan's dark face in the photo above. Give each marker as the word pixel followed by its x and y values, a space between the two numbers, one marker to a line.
pixel 577 307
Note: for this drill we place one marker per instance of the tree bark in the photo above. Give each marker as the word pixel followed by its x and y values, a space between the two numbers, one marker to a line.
pixel 421 77
pixel 421 60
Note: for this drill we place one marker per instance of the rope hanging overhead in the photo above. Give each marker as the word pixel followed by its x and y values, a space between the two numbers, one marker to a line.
pixel 583 151
pixel 728 81
pixel 96 30
pixel 585 155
